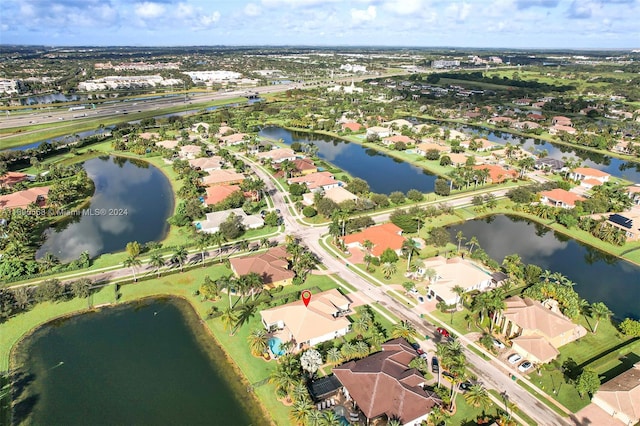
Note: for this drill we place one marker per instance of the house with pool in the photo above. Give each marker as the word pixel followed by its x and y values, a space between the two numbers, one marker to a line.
pixel 449 273
pixel 272 266
pixel 323 319
pixel 213 220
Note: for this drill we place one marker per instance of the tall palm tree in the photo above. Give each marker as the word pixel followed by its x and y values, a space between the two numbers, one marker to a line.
pixel 253 283
pixel 409 248
pixel 404 329
pixel 247 311
pixel 362 348
pixel 334 356
pixel 473 242
pixel 265 242
pixel 258 341
pixel 229 319
pixel 477 396
pixel 459 291
pixel 361 324
pixel 460 238
pixel 157 261
pixel 600 311
pixel 367 245
pixel 330 418
pixel 348 351
pixel 132 262
pixel 218 239
pixel 180 255
pixel 202 242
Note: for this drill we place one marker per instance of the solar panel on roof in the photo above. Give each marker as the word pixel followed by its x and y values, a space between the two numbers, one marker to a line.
pixel 621 220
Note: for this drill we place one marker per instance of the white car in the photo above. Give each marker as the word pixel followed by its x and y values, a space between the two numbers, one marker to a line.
pixel 498 344
pixel 514 358
pixel 525 366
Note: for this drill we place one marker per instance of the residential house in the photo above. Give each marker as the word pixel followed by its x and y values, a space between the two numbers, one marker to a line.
pixel 147 136
pixel 189 152
pixel 23 199
pixel 207 164
pixel 383 385
pixel 211 224
pixel 500 121
pixel 234 139
pixel 272 266
pixel 195 127
pixel 392 140
pixel 560 120
pixel 317 181
pixel 535 117
pixel 525 125
pixel 560 198
pixel 620 396
pixel 277 155
pixel 304 166
pixel 549 164
pixel 224 130
pixel 497 174
pixel 11 178
pixel 523 101
pixel 381 132
pixel 589 177
pixel 323 319
pixel 399 124
pixel 458 159
pixel 218 193
pixel 168 144
pixel 554 130
pixel 338 195
pixel 481 144
pixel 223 177
pixel 352 125
pixel 634 193
pixel 386 236
pixel 629 222
pixel 421 149
pixel 623 147
pixel 453 272
pixel 537 331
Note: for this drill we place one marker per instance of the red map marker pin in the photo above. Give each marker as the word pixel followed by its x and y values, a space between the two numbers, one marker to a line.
pixel 306 297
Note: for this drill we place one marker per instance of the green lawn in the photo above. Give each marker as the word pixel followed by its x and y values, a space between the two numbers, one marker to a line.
pixel 459 323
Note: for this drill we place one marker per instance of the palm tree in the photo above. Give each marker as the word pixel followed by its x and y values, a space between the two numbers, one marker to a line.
pixel 404 329
pixel 132 262
pixel 394 422
pixel 348 351
pixel 389 269
pixel 265 242
pixel 460 238
pixel 599 311
pixel 180 256
pixel 247 311
pixel 48 261
pixel 459 291
pixel 258 341
pixel 361 324
pixel 473 242
pixel 202 242
pixel 217 238
pixel 477 396
pixel 229 319
pixel 409 248
pixel 314 418
pixel 300 412
pixel 157 262
pixel 330 418
pixel 334 356
pixel 253 283
pixel 362 348
pixel 299 392
pixel 438 417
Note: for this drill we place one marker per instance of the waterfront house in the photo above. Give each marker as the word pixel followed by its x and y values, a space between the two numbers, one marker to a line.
pixel 207 164
pixel 11 178
pixel 421 149
pixel 211 224
pixel 323 319
pixel 223 177
pixel 23 199
pixel 481 144
pixel 277 155
pixel 381 132
pixel 272 266
pixel 589 177
pixel 454 272
pixel 352 126
pixel 167 144
pixel 537 331
pixel 497 174
pixel 628 221
pixel 234 139
pixel 554 130
pixel 383 385
pixel 318 181
pixel 549 164
pixel 189 152
pixel 560 198
pixel 560 120
pixel 218 193
pixel 620 396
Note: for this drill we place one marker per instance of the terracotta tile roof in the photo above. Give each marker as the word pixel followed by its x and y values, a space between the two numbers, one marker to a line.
pixel 531 315
pixel 430 145
pixel 277 154
pixel 496 173
pixel 590 172
pixel 561 120
pixel 398 138
pixel 592 182
pixel 537 346
pixel 561 128
pixel 11 178
pixel 338 194
pixel 303 164
pixel 22 199
pixel 562 195
pixel 272 265
pixel 317 319
pixel 383 384
pixel 167 144
pixel 218 193
pixel 354 127
pixel 235 138
pixel 315 180
pixel 382 236
pixel 207 163
pixel 191 149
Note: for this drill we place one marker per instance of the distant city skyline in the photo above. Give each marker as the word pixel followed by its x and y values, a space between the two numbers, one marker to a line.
pixel 561 24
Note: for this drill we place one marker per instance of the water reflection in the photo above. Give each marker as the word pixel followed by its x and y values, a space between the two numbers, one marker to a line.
pixel 136 200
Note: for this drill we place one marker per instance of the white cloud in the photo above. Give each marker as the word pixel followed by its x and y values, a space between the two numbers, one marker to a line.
pixel 208 21
pixel 149 10
pixel 404 7
pixel 459 11
pixel 297 3
pixel 252 9
pixel 359 16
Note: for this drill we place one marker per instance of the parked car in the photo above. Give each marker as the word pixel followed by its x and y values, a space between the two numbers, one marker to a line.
pixel 435 367
pixel 514 358
pixel 498 344
pixel 415 346
pixel 442 331
pixel 525 366
pixel 447 376
pixel 465 386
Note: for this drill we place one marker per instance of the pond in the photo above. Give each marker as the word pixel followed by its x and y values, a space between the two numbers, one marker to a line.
pixel 384 174
pixel 599 277
pixel 136 199
pixel 614 166
pixel 150 362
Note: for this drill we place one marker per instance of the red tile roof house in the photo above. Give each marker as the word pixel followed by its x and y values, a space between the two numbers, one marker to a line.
pixel 560 120
pixel 384 386
pixel 497 174
pixel 304 166
pixel 318 181
pixel 421 149
pixel 500 120
pixel 234 139
pixel 22 199
pixel 481 143
pixel 392 140
pixel 354 127
pixel 560 198
pixel 223 177
pixel 382 236
pixel 219 193
pixel 272 266
pixel 207 163
pixel 535 117
pixel 277 155
pixel 11 178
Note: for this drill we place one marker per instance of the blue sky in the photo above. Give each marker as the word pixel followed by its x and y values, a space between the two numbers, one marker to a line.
pixel 465 23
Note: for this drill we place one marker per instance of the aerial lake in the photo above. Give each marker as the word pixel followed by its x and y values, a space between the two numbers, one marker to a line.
pixel 136 198
pixel 147 363
pixel 599 277
pixel 384 174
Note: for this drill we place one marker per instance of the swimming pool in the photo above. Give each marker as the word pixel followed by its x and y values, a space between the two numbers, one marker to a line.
pixel 275 345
